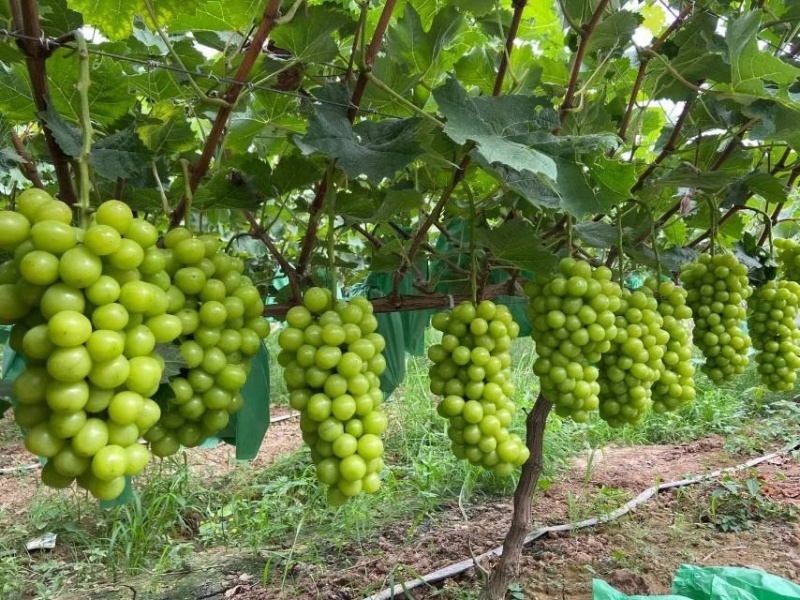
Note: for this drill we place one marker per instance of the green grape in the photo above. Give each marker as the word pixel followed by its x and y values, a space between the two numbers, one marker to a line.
pixel 574 322
pixel 788 258
pixel 633 363
pixel 717 288
pixel 773 310
pixel 476 390
pixel 675 387
pixel 334 382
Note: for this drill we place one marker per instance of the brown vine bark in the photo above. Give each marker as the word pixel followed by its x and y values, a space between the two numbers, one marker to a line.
pixel 506 568
pixel 315 209
pixel 27 165
pixel 200 168
pixel 25 17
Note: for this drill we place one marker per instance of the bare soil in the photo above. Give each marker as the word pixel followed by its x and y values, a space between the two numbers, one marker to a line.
pixel 637 554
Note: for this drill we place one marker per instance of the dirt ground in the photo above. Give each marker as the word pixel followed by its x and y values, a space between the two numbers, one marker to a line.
pixel 638 553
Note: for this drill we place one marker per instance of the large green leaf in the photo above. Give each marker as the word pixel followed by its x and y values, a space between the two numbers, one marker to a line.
pixel 489 123
pixel 309 35
pixel 56 18
pixel 109 99
pixel 517 243
pixel 167 129
pixel 115 17
pixel 376 149
pixel 614 31
pixel 16 102
pixel 216 15
pixel 120 155
pixel 753 69
pixel 422 51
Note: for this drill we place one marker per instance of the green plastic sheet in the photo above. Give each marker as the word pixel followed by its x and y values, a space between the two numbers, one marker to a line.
pixel 394 330
pixel 732 583
pixel 603 591
pixel 247 430
pixel 713 583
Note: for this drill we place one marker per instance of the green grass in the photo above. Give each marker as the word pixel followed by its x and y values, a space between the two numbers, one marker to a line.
pixel 281 511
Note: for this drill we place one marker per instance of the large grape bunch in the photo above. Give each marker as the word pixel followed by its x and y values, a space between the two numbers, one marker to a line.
pixel 88 308
pixel 717 288
pixel 633 363
pixel 218 313
pixel 85 394
pixel 332 358
pixel 573 317
pixel 788 258
pixel 675 387
pixel 772 311
pixel 472 373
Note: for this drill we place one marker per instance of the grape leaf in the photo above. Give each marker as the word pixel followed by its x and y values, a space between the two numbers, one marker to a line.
pixel 421 51
pixel 16 102
pixel 489 123
pixel 57 18
pixel 374 149
pixel 518 243
pixel 67 137
pixel 115 17
pixel 173 361
pixel 215 15
pixel 167 129
pixel 751 67
pixel 597 234
pixel 309 36
pixel 121 154
pixel 614 31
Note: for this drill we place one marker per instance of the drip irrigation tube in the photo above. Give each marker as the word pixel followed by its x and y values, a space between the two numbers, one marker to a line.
pixel 454 569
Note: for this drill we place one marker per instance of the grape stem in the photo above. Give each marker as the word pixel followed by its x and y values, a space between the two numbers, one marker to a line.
pixel 84 82
pixel 473 260
pixel 712 210
pixel 187 190
pixel 330 201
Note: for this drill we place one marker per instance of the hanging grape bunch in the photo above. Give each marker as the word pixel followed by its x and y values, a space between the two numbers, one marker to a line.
pixel 218 314
pixel 332 359
pixel 88 308
pixel 772 312
pixel 788 258
pixel 717 288
pixel 573 317
pixel 472 373
pixel 675 386
pixel 633 362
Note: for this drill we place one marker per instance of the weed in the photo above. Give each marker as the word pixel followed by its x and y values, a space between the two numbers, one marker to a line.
pixel 737 504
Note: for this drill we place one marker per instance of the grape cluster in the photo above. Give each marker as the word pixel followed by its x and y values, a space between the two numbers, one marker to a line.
pixel 332 358
pixel 633 362
pixel 675 386
pixel 472 373
pixel 788 258
pixel 773 309
pixel 85 394
pixel 218 313
pixel 573 317
pixel 90 308
pixel 717 288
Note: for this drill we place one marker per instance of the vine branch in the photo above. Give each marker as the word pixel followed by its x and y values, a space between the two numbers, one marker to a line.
pixel 258 232
pixel 315 209
pixel 644 61
pixel 586 32
pixel 26 19
pixel 200 168
pixel 27 165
